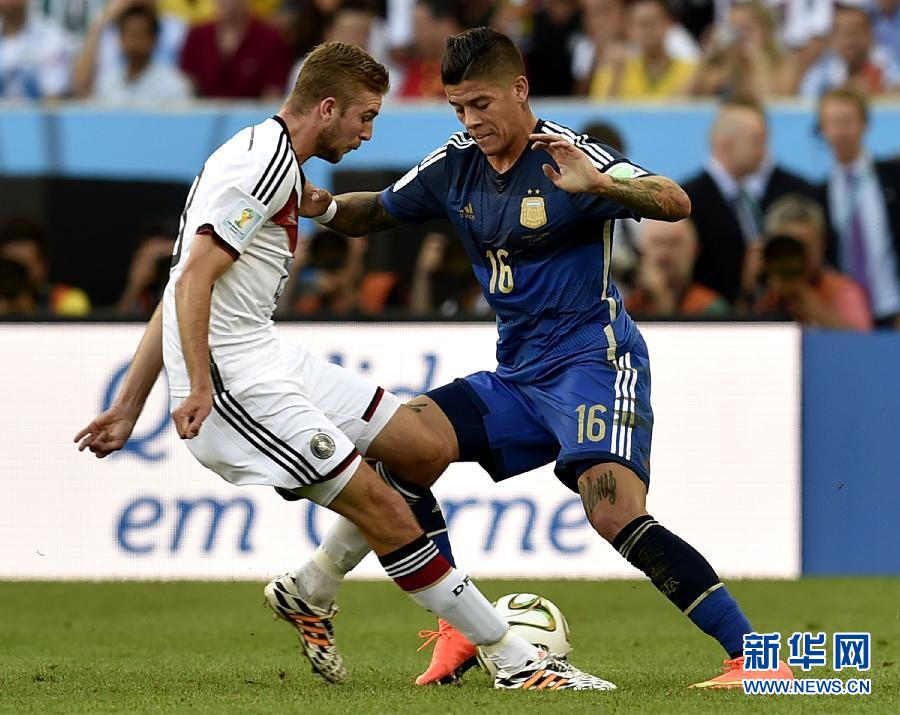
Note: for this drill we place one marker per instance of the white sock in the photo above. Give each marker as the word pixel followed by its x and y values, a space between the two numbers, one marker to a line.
pixel 429 579
pixel 341 550
pixel 511 652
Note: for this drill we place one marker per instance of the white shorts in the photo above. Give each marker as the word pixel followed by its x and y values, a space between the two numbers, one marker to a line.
pixel 302 429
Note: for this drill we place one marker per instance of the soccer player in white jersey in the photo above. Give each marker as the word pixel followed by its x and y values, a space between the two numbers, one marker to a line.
pixel 256 409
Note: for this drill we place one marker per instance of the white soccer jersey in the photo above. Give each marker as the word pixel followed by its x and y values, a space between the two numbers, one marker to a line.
pixel 246 197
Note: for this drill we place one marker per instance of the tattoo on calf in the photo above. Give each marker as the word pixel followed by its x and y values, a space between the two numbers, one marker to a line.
pixel 594 490
pixel 416 406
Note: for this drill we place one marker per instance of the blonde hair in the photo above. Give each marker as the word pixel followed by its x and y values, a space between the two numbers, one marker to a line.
pixel 339 70
pixel 794 208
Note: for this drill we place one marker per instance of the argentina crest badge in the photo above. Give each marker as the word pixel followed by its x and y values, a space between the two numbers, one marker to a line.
pixel 533 213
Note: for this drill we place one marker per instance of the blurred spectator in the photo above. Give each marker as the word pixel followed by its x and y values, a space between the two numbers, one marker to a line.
pixel 602 41
pixel 886 23
pixel 102 53
pixel 35 54
pixel 351 23
pixel 16 297
pixel 650 73
pixel 664 282
pixel 443 282
pixel 22 240
pixel 797 283
pixel 147 274
pixel 511 17
pixel 236 56
pixel 801 23
pixel 74 16
pixel 304 23
pixel 695 15
pixel 141 78
pixel 327 282
pixel 743 57
pixel 863 200
pixel 433 22
pixel 549 56
pixel 853 57
pixel 193 12
pixel 730 195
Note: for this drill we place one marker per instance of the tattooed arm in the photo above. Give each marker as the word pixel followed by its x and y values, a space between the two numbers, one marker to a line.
pixel 358 214
pixel 648 196
pixel 361 213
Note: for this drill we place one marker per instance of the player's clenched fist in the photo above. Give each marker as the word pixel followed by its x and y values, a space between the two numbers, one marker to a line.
pixel 189 415
pixel 314 202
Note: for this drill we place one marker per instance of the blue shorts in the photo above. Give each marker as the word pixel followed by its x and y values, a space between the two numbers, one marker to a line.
pixel 591 412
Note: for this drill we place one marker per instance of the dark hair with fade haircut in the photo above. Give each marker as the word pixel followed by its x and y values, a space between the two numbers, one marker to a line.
pixel 339 70
pixel 480 53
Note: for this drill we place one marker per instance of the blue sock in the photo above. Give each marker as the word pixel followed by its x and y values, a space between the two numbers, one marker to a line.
pixel 424 507
pixel 684 577
pixel 720 616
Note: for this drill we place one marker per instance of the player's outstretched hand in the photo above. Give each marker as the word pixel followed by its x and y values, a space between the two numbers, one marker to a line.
pixel 108 432
pixel 576 174
pixel 189 415
pixel 314 202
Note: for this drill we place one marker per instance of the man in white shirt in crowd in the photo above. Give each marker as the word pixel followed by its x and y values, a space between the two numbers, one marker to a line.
pixel 102 51
pixel 35 55
pixel 141 78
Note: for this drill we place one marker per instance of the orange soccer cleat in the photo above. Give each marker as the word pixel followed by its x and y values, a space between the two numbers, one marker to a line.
pixel 453 654
pixel 735 673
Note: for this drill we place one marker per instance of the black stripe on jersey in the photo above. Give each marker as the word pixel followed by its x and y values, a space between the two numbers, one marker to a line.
pixel 281 149
pixel 271 195
pixel 179 242
pixel 228 417
pixel 272 446
pixel 284 164
pixel 252 133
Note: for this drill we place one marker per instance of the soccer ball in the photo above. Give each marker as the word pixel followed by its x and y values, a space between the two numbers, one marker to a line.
pixel 537 619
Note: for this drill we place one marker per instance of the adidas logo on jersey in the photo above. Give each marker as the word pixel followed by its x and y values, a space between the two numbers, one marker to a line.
pixel 467 212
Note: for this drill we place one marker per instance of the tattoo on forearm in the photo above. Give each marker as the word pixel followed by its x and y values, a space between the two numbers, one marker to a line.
pixel 594 490
pixel 361 213
pixel 651 197
pixel 416 407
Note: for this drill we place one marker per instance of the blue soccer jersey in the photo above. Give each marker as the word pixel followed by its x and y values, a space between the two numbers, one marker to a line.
pixel 541 254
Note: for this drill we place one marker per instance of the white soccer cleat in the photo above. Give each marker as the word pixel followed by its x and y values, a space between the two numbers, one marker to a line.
pixel 550 673
pixel 313 626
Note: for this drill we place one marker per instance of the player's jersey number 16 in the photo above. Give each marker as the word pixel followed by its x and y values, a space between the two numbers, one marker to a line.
pixel 501 272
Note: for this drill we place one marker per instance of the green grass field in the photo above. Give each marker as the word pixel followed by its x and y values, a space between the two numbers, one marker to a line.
pixel 213 647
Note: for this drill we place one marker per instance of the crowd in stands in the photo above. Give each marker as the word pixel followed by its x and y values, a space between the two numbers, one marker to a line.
pixel 761 241
pixel 173 50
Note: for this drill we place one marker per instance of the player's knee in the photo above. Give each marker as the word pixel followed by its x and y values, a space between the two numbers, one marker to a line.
pixel 608 522
pixel 428 459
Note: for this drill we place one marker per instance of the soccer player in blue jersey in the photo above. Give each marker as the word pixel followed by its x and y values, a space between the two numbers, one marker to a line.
pixel 535 207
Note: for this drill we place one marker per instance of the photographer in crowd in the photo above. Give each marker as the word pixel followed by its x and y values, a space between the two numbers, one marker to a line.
pixel 795 280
